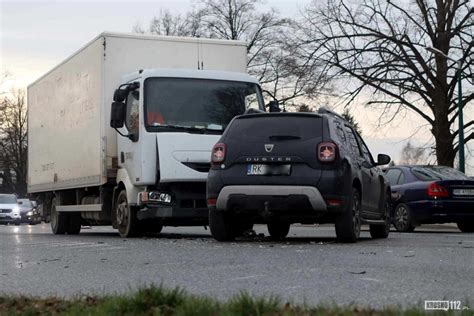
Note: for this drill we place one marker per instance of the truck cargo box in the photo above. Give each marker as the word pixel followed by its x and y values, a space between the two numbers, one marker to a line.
pixel 70 143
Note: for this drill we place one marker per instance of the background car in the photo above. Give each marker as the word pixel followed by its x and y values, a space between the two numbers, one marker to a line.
pixel 29 212
pixel 9 209
pixel 431 194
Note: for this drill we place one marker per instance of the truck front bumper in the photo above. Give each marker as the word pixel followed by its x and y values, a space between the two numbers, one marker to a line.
pixel 171 215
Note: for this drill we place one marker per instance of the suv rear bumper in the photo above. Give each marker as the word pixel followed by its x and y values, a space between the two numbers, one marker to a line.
pixel 271 193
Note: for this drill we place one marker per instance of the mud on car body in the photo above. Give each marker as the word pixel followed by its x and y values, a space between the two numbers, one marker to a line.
pixel 285 168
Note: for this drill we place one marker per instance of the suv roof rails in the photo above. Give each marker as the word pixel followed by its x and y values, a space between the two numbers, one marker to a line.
pixel 324 110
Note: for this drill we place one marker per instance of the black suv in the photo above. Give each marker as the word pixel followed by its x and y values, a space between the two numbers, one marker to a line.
pixel 284 168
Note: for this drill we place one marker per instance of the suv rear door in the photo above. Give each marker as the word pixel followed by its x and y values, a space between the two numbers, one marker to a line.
pixel 274 139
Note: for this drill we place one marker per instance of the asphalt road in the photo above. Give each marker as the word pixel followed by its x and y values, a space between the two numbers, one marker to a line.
pixel 406 269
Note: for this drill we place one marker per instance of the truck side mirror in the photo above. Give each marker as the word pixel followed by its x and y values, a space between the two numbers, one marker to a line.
pixel 120 95
pixel 117 114
pixel 383 159
pixel 274 106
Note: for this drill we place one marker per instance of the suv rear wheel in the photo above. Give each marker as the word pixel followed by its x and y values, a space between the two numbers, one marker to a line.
pixel 278 231
pixel 348 224
pixel 220 223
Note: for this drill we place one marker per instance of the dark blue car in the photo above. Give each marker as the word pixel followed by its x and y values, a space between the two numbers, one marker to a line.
pixel 429 195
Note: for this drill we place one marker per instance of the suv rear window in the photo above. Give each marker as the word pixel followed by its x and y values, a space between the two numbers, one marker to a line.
pixel 274 127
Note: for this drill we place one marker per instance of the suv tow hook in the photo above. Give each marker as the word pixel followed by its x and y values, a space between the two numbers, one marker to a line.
pixel 266 211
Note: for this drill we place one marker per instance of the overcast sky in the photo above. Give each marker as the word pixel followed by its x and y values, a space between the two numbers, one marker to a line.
pixel 37 35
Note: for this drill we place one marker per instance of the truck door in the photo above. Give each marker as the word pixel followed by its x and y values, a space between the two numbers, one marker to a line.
pixel 129 150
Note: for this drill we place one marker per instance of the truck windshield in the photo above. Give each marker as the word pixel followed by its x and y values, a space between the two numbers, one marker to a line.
pixel 198 105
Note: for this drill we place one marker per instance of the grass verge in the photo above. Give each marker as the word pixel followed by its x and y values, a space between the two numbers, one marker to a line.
pixel 154 300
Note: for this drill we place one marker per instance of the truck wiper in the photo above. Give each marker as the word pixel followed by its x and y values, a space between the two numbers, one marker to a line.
pixel 284 137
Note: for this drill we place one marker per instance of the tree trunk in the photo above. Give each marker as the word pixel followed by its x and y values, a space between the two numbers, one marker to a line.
pixel 445 153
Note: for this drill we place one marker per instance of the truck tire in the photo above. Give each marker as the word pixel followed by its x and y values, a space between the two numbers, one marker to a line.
pixel 220 224
pixel 278 231
pixel 348 224
pixel 382 231
pixel 403 219
pixel 74 226
pixel 59 221
pixel 126 216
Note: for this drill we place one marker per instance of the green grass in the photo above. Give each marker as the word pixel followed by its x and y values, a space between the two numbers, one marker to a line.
pixel 154 300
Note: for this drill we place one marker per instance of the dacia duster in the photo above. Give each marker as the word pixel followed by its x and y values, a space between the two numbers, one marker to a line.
pixel 284 168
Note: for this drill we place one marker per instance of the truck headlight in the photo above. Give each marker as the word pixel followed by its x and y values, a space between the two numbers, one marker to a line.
pixel 154 196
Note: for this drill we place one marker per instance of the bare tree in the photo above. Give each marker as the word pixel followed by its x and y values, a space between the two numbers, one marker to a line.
pixel 412 155
pixel 174 25
pixel 13 142
pixel 284 77
pixel 382 44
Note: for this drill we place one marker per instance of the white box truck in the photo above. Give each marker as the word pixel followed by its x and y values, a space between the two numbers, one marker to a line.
pixel 121 132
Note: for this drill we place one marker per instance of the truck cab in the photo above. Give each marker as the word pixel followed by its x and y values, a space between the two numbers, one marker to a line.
pixel 168 121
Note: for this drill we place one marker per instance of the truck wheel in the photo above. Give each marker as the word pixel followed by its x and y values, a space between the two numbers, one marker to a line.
pixel 59 221
pixel 348 224
pixel 466 227
pixel 403 220
pixel 278 231
pixel 74 226
pixel 221 225
pixel 382 231
pixel 127 222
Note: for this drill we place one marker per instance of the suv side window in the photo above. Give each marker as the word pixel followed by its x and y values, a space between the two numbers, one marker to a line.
pixel 132 116
pixel 340 132
pixel 354 147
pixel 365 151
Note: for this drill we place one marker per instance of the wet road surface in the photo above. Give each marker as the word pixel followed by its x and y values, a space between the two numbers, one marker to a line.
pixel 430 264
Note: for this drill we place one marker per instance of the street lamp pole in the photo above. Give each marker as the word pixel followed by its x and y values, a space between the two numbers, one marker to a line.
pixel 462 164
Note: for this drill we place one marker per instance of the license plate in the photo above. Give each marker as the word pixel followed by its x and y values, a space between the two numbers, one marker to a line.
pixel 463 191
pixel 266 170
pixel 3 215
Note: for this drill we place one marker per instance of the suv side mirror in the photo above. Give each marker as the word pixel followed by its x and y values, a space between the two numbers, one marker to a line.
pixel 383 159
pixel 117 114
pixel 274 106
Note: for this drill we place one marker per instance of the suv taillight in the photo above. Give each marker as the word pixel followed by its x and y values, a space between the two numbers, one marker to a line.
pixel 327 151
pixel 218 153
pixel 436 191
